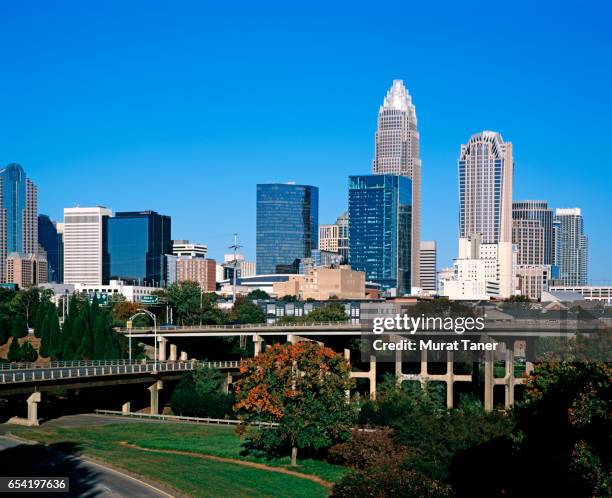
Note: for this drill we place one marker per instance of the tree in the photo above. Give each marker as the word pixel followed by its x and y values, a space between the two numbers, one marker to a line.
pixel 14 352
pixel 245 311
pixel 191 306
pixel 302 387
pixel 53 332
pixel 19 327
pixel 330 312
pixel 202 393
pixel 83 334
pixel 41 314
pixel 45 338
pixel 101 328
pixel 258 294
pixel 27 353
pixel 25 303
pixel 4 330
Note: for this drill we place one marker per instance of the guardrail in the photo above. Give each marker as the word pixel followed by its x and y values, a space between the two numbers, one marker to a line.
pixel 43 374
pixel 241 326
pixel 181 418
pixel 69 364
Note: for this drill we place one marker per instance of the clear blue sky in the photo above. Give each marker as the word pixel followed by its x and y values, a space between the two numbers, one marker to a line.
pixel 183 107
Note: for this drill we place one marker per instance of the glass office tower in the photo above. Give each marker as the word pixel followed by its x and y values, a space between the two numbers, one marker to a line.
pixel 380 223
pixel 287 226
pixel 51 242
pixel 136 245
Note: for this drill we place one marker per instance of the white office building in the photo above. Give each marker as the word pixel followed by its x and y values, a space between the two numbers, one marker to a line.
pixel 428 267
pixel 188 249
pixel 83 244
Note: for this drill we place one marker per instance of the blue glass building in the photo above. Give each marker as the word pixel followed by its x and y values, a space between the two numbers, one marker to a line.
pixel 52 243
pixel 380 214
pixel 13 181
pixel 135 247
pixel 287 226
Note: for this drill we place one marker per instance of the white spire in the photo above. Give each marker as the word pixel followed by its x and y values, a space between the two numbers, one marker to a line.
pixel 398 97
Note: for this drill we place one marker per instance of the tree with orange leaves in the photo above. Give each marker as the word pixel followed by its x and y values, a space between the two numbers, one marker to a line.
pixel 302 387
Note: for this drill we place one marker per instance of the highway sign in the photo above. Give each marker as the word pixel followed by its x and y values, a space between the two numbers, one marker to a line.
pixel 102 298
pixel 149 299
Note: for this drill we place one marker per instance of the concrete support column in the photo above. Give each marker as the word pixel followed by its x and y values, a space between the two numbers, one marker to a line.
pixel 161 348
pixel 257 343
pixel 154 390
pixel 450 378
pixel 398 367
pixel 488 381
pixel 347 358
pixel 370 374
pixel 228 382
pixel 183 356
pixel 509 378
pixel 126 407
pixel 32 418
pixel 173 352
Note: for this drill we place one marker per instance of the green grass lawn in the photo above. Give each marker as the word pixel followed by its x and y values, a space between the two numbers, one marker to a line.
pixel 193 476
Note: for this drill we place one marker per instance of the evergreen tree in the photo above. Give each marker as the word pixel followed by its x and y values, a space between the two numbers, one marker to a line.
pixel 4 330
pixel 102 327
pixel 82 333
pixel 112 350
pixel 44 335
pixel 41 314
pixel 19 327
pixel 54 335
pixel 27 353
pixel 67 326
pixel 14 352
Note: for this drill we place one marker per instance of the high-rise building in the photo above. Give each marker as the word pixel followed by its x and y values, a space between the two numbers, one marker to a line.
pixel 428 266
pixel 571 247
pixel 397 153
pixel 84 245
pixel 485 188
pixel 18 215
pixel 287 226
pixel 537 210
pixel 380 214
pixel 343 236
pixel 199 270
pixel 51 242
pixel 136 245
pixel 528 236
pixel 334 237
pixel 186 248
pixel 26 270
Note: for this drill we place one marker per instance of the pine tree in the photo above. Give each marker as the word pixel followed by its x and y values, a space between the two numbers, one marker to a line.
pixel 54 335
pixel 112 350
pixel 82 333
pixel 19 327
pixel 14 352
pixel 41 314
pixel 102 326
pixel 27 353
pixel 4 331
pixel 44 335
pixel 68 325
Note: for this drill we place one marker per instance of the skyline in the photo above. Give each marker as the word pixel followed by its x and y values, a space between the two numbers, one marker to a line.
pixel 109 113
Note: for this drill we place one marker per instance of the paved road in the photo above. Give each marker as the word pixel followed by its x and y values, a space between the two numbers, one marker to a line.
pixel 87 479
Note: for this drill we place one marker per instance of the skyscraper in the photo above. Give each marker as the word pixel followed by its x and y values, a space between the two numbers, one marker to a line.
pixel 51 241
pixel 485 188
pixel 136 245
pixel 428 266
pixel 571 249
pixel 528 236
pixel 397 153
pixel 380 214
pixel 18 215
pixel 287 226
pixel 84 244
pixel 334 237
pixel 537 210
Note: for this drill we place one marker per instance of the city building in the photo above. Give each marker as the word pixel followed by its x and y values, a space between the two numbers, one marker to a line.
pixel 244 268
pixel 445 274
pixel 51 242
pixel 323 284
pixel 528 236
pixel 84 244
pixel 136 245
pixel 189 249
pixel 26 270
pixel 485 188
pixel 533 280
pixel 287 226
pixel 333 238
pixel 380 215
pixel 18 215
pixel 318 259
pixel 601 293
pixel 343 236
pixel 571 247
pixel 481 272
pixel 397 153
pixel 199 270
pixel 537 210
pixel 428 267
pixel 244 285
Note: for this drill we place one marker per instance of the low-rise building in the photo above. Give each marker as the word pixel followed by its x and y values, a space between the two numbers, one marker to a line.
pixel 602 293
pixel 324 283
pixel 202 271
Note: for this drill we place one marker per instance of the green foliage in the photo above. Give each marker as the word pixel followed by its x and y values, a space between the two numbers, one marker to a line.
pixel 245 311
pixel 329 312
pixel 201 393
pixel 192 307
pixel 14 351
pixel 258 294
pixel 19 327
pixel 4 330
pixel 27 353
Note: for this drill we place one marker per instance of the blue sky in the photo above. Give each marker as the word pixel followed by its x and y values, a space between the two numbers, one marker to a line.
pixel 183 107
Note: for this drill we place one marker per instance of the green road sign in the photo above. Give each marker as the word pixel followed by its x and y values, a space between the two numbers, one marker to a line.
pixel 102 298
pixel 149 299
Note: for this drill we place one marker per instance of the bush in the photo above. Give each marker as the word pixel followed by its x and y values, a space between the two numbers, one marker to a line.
pixel 366 448
pixel 201 393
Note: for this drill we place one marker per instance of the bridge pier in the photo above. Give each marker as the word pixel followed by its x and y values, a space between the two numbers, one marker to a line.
pixel 126 407
pixel 257 343
pixel 173 352
pixel 509 381
pixel 161 348
pixel 228 382
pixel 449 378
pixel 183 356
pixel 294 339
pixel 32 418
pixel 370 374
pixel 154 390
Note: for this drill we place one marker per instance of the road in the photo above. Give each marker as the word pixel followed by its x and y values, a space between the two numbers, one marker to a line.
pixel 87 479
